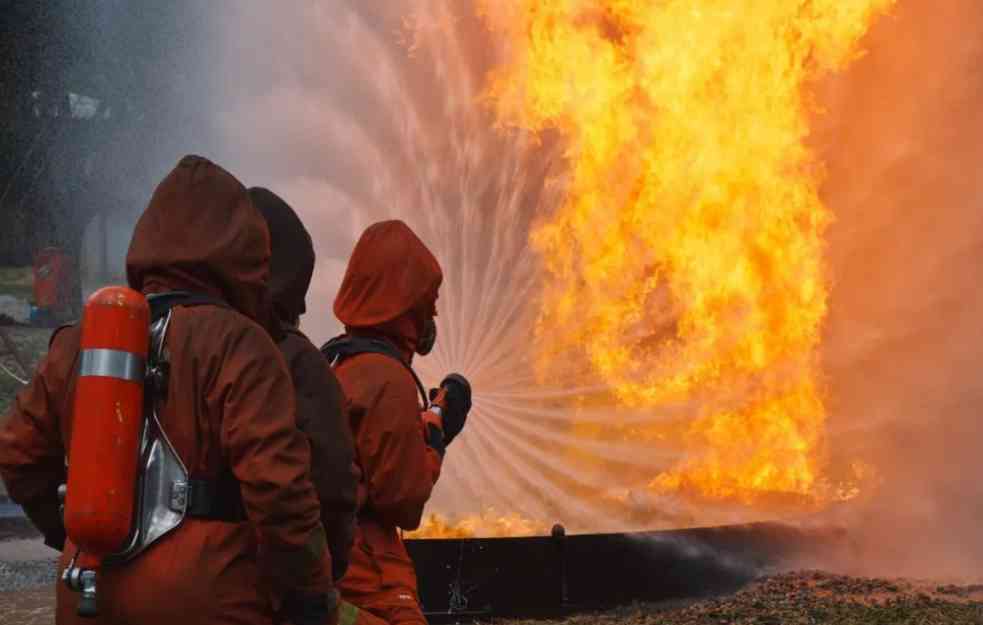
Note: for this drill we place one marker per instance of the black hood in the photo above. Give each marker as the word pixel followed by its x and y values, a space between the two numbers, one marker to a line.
pixel 292 254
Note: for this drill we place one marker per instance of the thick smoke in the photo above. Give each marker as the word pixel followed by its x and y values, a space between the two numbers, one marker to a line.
pixel 904 338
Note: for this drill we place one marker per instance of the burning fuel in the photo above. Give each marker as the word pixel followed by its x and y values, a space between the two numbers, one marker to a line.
pixel 490 523
pixel 679 426
pixel 686 262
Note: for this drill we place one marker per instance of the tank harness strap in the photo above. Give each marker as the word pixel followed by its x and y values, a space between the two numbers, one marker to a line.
pixel 344 346
pixel 216 499
pixel 54 333
pixel 162 303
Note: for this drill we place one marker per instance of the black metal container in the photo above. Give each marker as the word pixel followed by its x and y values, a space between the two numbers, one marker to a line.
pixel 540 576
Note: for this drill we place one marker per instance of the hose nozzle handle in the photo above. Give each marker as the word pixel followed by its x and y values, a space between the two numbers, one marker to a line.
pixel 455 395
pixel 455 382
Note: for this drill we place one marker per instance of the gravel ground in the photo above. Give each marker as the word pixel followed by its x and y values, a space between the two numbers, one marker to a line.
pixel 27 577
pixel 31 607
pixel 25 562
pixel 808 597
pixel 800 598
pixel 21 575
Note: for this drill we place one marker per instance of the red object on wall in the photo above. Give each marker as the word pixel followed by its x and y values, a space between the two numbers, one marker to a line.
pixel 51 278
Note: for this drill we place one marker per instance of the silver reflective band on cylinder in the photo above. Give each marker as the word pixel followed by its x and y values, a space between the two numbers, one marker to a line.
pixel 112 363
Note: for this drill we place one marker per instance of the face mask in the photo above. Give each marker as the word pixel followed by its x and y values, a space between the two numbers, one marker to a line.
pixel 425 344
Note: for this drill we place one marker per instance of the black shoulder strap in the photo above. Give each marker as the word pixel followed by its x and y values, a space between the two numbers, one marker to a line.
pixel 216 498
pixel 162 303
pixel 54 333
pixel 344 346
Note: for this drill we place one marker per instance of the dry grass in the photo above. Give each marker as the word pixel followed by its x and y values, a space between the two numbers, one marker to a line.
pixel 33 344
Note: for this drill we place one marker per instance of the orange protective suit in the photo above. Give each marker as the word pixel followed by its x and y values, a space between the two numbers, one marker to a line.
pixel 389 292
pixel 229 409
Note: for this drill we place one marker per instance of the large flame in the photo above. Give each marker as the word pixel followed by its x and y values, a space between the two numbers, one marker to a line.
pixel 686 264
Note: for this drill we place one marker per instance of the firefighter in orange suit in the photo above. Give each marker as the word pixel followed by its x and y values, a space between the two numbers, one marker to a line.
pixel 251 539
pixel 387 302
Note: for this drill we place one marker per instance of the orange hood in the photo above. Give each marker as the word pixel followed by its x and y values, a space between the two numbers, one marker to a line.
pixel 391 283
pixel 201 233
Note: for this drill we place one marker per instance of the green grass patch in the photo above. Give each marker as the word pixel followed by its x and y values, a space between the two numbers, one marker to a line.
pixel 16 276
pixel 17 281
pixel 8 389
pixel 20 292
pixel 32 344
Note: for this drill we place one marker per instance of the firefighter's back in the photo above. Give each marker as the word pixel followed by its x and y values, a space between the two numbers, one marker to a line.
pixel 206 569
pixel 243 524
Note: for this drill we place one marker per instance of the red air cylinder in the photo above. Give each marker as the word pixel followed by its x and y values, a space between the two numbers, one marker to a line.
pixel 107 421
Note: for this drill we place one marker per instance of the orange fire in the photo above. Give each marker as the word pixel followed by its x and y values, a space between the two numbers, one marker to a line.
pixel 686 264
pixel 490 524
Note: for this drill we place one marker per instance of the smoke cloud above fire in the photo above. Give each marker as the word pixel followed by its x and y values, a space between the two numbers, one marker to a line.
pixel 359 111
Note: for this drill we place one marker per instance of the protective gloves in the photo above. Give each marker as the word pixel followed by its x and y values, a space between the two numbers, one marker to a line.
pixel 454 400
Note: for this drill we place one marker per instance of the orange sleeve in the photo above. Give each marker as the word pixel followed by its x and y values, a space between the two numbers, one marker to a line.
pixel 32 449
pixel 399 468
pixel 271 458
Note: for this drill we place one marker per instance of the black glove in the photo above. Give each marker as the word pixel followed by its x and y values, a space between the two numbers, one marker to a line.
pixel 310 609
pixel 456 404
